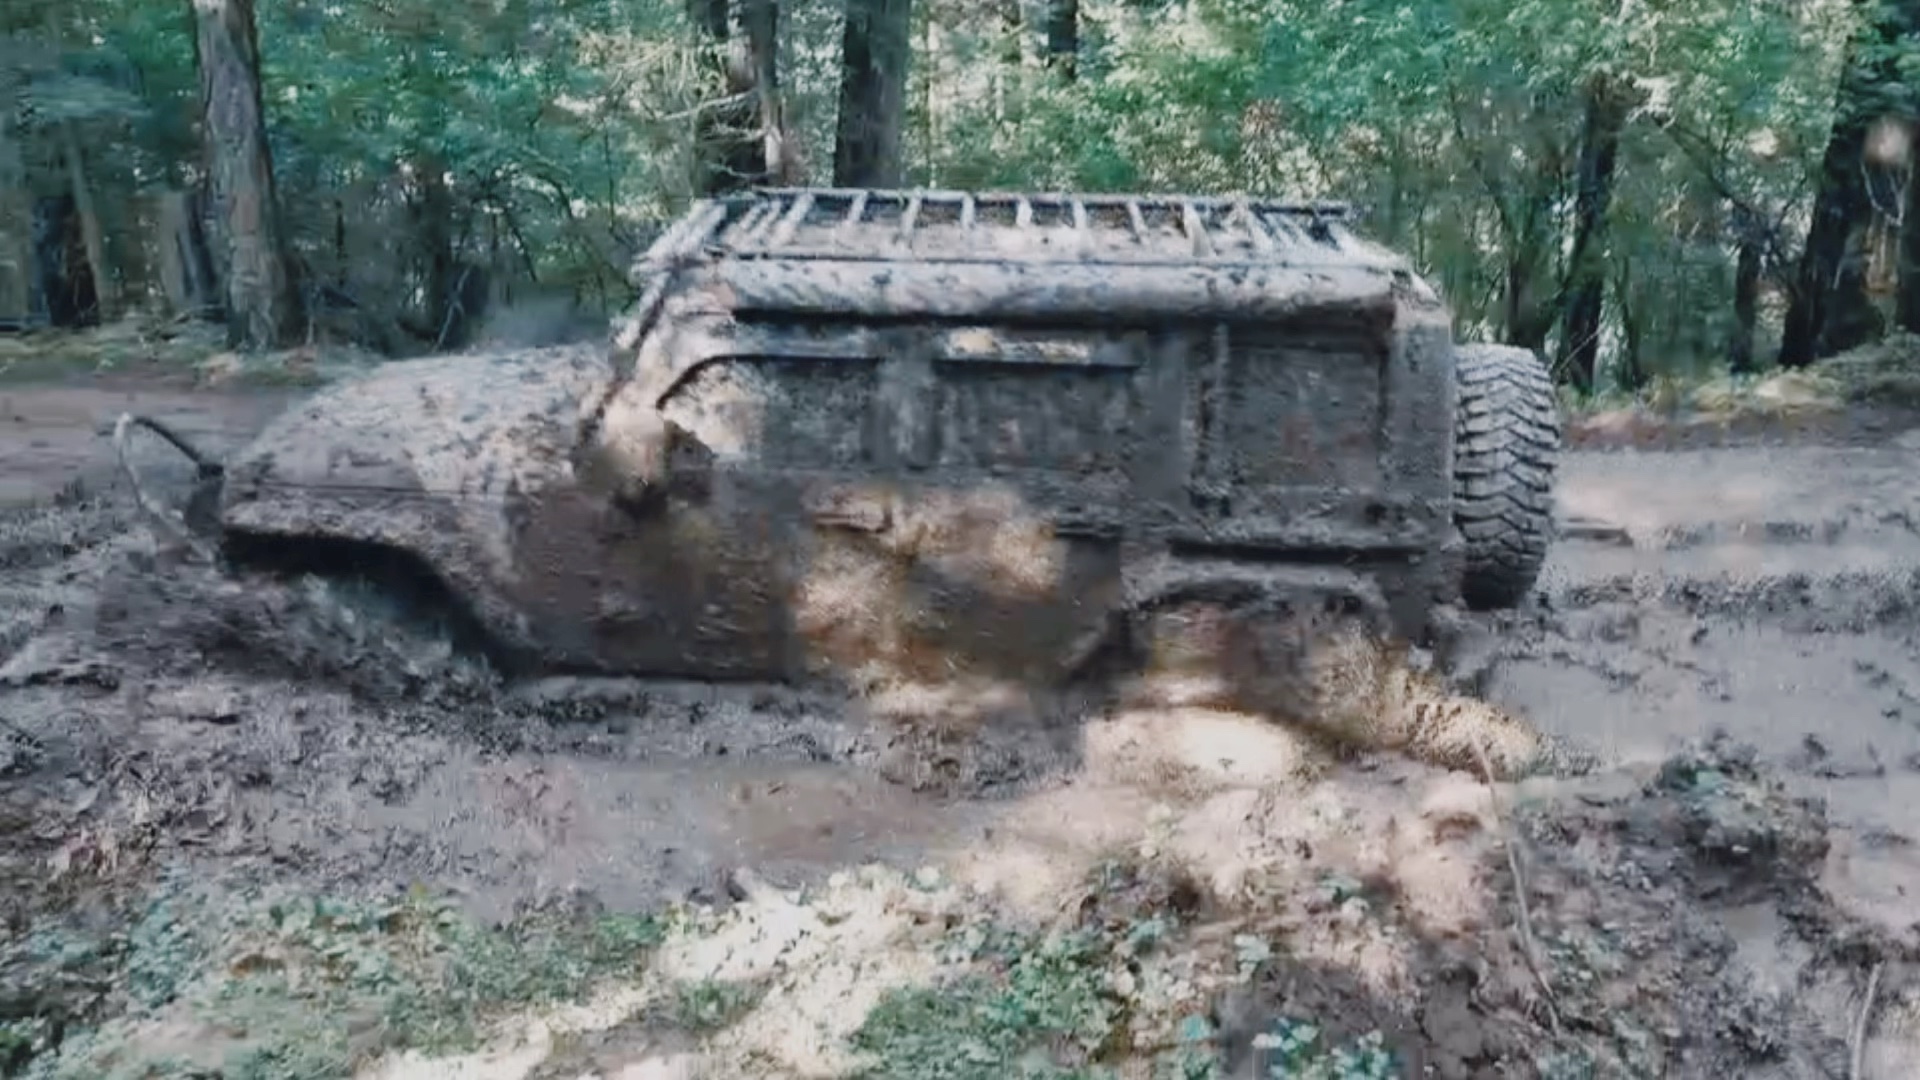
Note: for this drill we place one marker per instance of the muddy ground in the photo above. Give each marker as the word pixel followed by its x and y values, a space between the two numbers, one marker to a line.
pixel 1710 905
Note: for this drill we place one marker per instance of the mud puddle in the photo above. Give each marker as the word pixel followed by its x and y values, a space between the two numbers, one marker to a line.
pixel 1688 918
pixel 53 437
pixel 1768 592
pixel 637 835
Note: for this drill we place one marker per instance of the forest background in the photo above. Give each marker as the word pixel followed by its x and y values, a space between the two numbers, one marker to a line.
pixel 1637 188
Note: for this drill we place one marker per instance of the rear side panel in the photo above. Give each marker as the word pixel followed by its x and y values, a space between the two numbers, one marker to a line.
pixel 920 507
pixel 927 501
pixel 1321 445
pixel 835 442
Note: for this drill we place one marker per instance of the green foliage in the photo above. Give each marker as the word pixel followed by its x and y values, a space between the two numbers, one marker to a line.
pixel 712 1005
pixel 1046 1000
pixel 162 949
pixel 1288 1050
pixel 565 130
pixel 309 987
pixel 1294 1050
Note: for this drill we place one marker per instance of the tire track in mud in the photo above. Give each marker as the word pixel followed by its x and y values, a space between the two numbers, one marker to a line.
pixel 54 438
pixel 1767 590
pixel 1770 591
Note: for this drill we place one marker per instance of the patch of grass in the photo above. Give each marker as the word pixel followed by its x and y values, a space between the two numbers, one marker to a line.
pixel 308 988
pixel 1294 1050
pixel 1041 1008
pixel 711 1005
pixel 1069 1004
pixel 1288 1050
pixel 191 349
pixel 1719 395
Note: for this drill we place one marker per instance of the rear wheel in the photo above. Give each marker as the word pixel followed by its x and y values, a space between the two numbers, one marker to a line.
pixel 1506 451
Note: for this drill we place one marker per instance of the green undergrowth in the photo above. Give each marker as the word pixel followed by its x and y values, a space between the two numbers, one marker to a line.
pixel 1884 372
pixel 304 988
pixel 1059 1006
pixel 259 988
pixel 192 351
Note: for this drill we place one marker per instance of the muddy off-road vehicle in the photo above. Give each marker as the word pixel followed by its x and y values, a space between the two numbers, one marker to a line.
pixel 925 434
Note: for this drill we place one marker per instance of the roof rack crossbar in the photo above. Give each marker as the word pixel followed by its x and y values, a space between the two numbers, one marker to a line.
pixel 783 232
pixel 912 216
pixel 857 209
pixel 1195 228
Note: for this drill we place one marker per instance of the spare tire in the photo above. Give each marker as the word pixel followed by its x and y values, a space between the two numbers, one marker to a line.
pixel 1506 451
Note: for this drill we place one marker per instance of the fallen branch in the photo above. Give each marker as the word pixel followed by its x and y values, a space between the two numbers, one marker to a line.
pixel 1511 834
pixel 1856 1069
pixel 168 519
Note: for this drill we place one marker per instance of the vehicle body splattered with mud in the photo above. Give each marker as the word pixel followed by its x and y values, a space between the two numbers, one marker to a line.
pixel 888 436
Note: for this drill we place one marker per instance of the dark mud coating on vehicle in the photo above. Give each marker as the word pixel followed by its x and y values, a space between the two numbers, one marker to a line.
pixel 880 437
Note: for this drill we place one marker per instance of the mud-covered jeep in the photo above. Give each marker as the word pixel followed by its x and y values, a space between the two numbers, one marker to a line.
pixel 931 433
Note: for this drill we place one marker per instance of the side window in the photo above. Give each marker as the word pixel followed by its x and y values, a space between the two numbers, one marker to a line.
pixel 785 412
pixel 1304 408
pixel 1033 398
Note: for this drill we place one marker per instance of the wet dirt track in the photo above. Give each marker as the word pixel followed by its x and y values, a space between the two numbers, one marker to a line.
pixel 52 436
pixel 1771 588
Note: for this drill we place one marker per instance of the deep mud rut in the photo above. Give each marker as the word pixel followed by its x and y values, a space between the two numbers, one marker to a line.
pixel 1690 913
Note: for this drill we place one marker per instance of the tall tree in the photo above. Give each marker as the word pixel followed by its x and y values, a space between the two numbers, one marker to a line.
pixel 1830 310
pixel 262 305
pixel 1749 237
pixel 16 211
pixel 1063 37
pixel 742 142
pixel 93 234
pixel 1907 304
pixel 769 156
pixel 875 53
pixel 1606 113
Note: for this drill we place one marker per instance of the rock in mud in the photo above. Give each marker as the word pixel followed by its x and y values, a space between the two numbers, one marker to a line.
pixel 206 703
pixel 58 660
pixel 1740 822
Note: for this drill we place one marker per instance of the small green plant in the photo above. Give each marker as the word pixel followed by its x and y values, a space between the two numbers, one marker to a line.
pixel 309 988
pixel 21 1041
pixel 710 1005
pixel 1042 1010
pixel 1292 1050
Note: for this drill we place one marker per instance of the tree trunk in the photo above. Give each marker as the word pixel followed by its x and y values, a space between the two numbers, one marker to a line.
pixel 433 226
pixel 262 305
pixel 766 158
pixel 1529 315
pixel 1747 233
pixel 186 266
pixel 93 237
pixel 1063 37
pixel 875 53
pixel 1012 34
pixel 1005 81
pixel 732 134
pixel 1907 304
pixel 63 281
pixel 1587 272
pixel 1830 310
pixel 16 209
pixel 1633 376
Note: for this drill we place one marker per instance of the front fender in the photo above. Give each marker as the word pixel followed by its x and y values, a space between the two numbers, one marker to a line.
pixel 430 457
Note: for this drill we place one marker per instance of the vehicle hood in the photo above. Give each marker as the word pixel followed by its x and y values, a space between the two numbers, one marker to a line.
pixel 452 430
